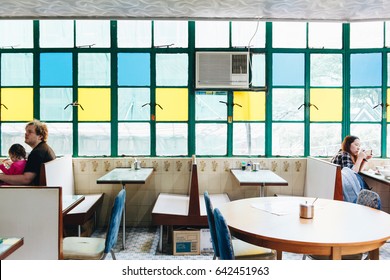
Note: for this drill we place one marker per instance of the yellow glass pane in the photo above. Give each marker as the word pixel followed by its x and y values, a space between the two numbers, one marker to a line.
pixel 96 104
pixel 253 106
pixel 174 102
pixel 329 103
pixel 19 102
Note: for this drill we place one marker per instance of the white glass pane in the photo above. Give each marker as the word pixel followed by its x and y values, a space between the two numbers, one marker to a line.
pixel 134 139
pixel 60 138
pixel 325 139
pixel 362 104
pixel 172 69
pixel 171 139
pixel 250 34
pixel 53 103
pixel 93 34
pixel 56 34
pixel 369 135
pixel 326 35
pixel 258 70
pixel 366 35
pixel 326 70
pixel 130 104
pixel 212 34
pixel 134 33
pixel 288 139
pixel 289 34
pixel 94 139
pixel 172 34
pixel 208 105
pixel 211 139
pixel 248 139
pixel 17 69
pixel 285 104
pixel 16 34
pixel 387 36
pixel 94 69
pixel 12 133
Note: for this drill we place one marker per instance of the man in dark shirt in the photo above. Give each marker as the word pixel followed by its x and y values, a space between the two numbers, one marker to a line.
pixel 36 136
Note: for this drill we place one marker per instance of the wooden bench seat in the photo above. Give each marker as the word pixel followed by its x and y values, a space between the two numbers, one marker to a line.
pixel 59 172
pixel 83 212
pixel 184 210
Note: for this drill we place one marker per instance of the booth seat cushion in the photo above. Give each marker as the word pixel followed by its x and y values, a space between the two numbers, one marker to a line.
pixel 81 248
pixel 246 251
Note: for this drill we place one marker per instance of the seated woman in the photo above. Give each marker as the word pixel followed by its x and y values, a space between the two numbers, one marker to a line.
pixel 353 157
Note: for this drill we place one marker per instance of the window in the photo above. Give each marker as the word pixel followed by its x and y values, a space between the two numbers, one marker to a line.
pixel 310 85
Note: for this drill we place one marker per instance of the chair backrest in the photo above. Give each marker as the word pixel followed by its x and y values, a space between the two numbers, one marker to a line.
pixel 351 185
pixel 211 222
pixel 224 238
pixel 369 198
pixel 115 220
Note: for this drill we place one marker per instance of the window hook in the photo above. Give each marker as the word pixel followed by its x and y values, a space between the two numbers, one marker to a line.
pixel 74 104
pixel 4 106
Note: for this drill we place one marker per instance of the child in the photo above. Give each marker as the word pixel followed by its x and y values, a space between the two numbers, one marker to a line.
pixel 15 165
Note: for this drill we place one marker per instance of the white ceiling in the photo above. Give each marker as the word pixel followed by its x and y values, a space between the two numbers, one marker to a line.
pixel 307 10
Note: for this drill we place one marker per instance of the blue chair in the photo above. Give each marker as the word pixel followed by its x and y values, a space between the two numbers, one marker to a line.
pixel 240 249
pixel 91 248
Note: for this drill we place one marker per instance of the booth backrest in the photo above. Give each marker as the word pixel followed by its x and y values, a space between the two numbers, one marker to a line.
pixel 35 214
pixel 323 179
pixel 193 192
pixel 58 172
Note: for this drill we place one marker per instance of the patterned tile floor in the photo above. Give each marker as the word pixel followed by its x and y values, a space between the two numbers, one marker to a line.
pixel 142 244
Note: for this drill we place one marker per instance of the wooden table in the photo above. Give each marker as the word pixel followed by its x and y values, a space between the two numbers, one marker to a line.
pixel 9 245
pixel 338 228
pixel 70 201
pixel 377 177
pixel 260 178
pixel 125 176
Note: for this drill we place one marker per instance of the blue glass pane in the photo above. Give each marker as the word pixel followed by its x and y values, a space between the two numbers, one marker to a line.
pixel 56 69
pixel 134 69
pixel 366 69
pixel 288 69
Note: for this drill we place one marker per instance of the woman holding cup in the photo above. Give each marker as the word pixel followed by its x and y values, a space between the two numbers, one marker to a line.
pixel 352 156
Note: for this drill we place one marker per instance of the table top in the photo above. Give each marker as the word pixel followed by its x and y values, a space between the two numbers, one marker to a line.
pixel 126 176
pixel 9 245
pixel 274 222
pixel 70 201
pixel 375 176
pixel 256 178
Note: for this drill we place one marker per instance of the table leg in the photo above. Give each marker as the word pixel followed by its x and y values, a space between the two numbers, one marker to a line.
pixel 262 190
pixel 279 255
pixel 374 254
pixel 124 223
pixel 161 239
pixel 336 253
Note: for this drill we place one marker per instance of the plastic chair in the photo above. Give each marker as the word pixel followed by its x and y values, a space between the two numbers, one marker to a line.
pixel 91 248
pixel 240 250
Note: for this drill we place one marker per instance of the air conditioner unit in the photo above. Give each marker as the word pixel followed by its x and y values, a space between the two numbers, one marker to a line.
pixel 222 70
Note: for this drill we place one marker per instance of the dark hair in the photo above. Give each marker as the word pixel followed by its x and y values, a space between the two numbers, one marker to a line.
pixel 346 145
pixel 18 151
pixel 40 129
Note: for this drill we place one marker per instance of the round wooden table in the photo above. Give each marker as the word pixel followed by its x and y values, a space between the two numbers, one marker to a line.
pixel 338 228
